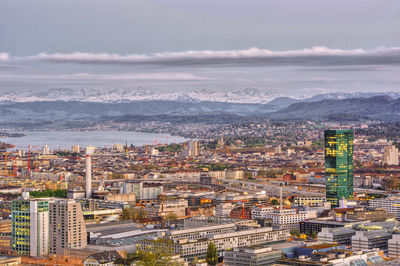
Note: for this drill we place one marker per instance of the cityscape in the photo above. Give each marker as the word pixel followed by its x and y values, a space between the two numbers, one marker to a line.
pixel 188 133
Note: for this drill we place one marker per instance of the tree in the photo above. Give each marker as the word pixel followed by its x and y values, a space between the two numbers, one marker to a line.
pixel 314 234
pixel 171 216
pixel 133 213
pixel 212 254
pixel 247 175
pixel 274 202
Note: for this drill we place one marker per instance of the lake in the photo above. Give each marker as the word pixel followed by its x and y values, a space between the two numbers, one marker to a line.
pixel 65 139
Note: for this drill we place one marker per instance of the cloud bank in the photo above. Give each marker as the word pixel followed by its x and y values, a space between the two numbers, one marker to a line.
pixel 315 56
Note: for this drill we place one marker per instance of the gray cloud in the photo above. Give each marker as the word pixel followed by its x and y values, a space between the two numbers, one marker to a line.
pixel 315 56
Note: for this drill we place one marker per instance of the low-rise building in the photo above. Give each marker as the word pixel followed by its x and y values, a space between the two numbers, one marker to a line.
pixel 341 235
pixel 251 256
pixel 191 250
pixel 368 240
pixel 394 247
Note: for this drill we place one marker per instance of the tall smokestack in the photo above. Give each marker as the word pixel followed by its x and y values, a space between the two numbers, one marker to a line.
pixel 88 176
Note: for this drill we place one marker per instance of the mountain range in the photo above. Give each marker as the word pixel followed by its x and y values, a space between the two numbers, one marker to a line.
pixel 61 104
pixel 248 95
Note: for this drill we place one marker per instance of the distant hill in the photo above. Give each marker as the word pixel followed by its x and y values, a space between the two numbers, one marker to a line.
pixel 347 107
pixel 377 107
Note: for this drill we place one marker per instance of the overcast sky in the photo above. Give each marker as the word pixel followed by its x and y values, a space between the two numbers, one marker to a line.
pixel 292 47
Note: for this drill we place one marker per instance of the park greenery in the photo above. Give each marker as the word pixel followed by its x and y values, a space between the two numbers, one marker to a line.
pixel 49 193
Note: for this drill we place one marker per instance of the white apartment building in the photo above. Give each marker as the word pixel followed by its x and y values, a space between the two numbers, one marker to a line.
pixel 391 155
pixel 67 227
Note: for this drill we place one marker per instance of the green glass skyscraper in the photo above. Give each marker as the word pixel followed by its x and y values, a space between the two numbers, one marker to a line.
pixel 338 165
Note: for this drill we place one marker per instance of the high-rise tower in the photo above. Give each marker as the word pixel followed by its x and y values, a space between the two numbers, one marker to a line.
pixel 338 165
pixel 67 227
pixel 30 227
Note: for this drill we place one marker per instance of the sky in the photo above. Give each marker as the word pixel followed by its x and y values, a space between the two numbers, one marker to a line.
pixel 293 48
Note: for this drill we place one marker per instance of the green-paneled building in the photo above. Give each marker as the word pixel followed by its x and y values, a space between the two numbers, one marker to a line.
pixel 30 227
pixel 338 165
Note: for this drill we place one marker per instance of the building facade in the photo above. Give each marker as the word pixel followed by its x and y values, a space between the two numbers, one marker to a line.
pixel 67 227
pixel 30 227
pixel 338 165
pixel 391 155
pixel 251 256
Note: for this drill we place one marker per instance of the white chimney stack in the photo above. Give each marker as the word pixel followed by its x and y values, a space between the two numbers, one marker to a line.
pixel 88 176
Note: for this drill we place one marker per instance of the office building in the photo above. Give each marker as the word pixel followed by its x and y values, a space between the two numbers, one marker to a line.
pixel 251 256
pixel 338 165
pixel 67 227
pixel 391 155
pixel 368 240
pixel 316 225
pixel 394 247
pixel 341 235
pixel 30 227
pixel 312 201
pixel 192 250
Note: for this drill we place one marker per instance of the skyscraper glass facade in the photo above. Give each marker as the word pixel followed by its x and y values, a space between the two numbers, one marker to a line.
pixel 338 165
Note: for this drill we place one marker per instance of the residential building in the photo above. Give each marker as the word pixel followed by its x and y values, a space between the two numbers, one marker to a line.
pixel 192 147
pixel 338 165
pixel 67 227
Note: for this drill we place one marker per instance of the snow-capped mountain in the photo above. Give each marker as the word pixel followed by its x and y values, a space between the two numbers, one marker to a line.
pixel 118 95
pixel 249 95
